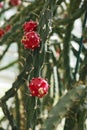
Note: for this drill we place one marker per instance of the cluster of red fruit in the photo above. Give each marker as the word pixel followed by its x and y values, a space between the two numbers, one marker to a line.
pixel 3 31
pixel 31 38
pixel 38 87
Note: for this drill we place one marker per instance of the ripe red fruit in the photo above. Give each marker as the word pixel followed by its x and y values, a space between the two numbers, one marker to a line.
pixel 14 2
pixel 38 87
pixel 2 32
pixel 30 26
pixel 8 28
pixel 1 5
pixel 31 40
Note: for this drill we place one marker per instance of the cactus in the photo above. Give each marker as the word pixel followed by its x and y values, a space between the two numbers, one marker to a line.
pixel 74 97
pixel 50 60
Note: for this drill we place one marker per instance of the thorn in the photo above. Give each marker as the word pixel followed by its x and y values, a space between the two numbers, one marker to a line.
pixel 24 79
pixel 15 89
pixel 27 94
pixel 23 58
pixel 37 106
pixel 27 73
pixel 30 129
pixel 22 65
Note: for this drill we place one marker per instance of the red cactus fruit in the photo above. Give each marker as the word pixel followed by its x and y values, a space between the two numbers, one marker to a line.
pixel 14 2
pixel 31 40
pixel 38 87
pixel 30 26
pixel 2 32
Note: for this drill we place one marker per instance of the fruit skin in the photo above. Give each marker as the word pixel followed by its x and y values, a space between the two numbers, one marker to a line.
pixel 14 2
pixel 1 5
pixel 2 32
pixel 31 40
pixel 30 26
pixel 8 28
pixel 38 87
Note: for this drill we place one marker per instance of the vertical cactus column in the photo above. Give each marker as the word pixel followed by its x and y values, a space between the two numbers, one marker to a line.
pixel 47 89
pixel 38 61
